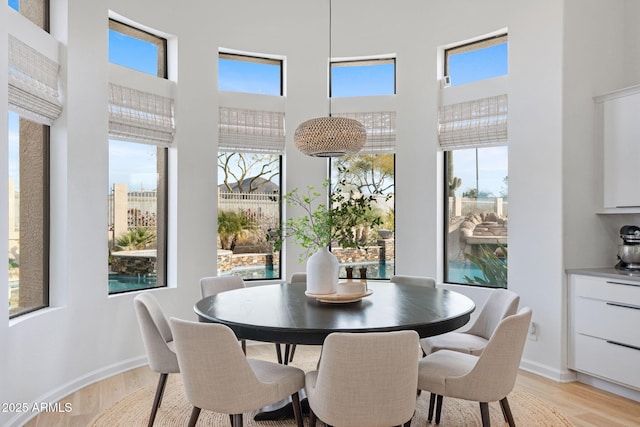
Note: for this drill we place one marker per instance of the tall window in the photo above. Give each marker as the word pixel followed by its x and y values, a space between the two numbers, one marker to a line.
pixel 370 172
pixel 34 104
pixel 28 215
pixel 251 143
pixel 137 190
pixel 476 61
pixel 473 135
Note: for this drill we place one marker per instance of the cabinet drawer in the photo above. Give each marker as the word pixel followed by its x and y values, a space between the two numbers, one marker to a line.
pixel 607 289
pixel 598 357
pixel 608 320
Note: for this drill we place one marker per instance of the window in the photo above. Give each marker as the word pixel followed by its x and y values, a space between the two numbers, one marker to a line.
pixel 248 207
pixel 249 74
pixel 28 215
pixel 137 49
pixel 363 175
pixel 476 61
pixel 138 170
pixel 250 144
pixel 37 11
pixel 473 134
pixel 363 78
pixel 372 170
pixel 477 211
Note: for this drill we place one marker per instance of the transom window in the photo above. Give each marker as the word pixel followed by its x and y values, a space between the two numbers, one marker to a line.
pixel 137 49
pixel 250 74
pixel 363 78
pixel 478 60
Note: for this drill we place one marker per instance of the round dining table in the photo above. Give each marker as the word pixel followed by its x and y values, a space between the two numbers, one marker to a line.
pixel 286 314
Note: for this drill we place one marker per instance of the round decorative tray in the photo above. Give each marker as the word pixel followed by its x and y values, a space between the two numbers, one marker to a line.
pixel 338 299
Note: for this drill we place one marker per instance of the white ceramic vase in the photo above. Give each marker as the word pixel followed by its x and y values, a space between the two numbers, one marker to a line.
pixel 323 271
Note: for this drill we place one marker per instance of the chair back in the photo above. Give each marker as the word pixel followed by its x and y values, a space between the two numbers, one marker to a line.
pixel 494 374
pixel 414 280
pixel 500 304
pixel 214 370
pixel 298 278
pixel 366 379
pixel 156 334
pixel 215 284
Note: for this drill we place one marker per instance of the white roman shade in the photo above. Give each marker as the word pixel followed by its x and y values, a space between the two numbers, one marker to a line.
pixel 33 83
pixel 135 115
pixel 255 131
pixel 473 123
pixel 381 130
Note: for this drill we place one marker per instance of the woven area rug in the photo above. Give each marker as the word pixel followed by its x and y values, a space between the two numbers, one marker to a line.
pixel 134 409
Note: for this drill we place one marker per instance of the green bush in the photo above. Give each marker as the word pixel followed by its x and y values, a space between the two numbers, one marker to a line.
pixel 493 267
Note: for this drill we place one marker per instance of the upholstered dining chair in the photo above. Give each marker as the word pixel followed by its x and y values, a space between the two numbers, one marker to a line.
pixel 414 280
pixel 218 377
pixel 486 378
pixel 365 379
pixel 473 338
pixel 158 343
pixel 213 285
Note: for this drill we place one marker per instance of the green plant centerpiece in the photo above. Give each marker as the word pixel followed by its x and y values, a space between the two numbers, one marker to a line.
pixel 339 222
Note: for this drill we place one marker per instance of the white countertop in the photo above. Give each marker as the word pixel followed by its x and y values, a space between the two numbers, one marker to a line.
pixel 608 272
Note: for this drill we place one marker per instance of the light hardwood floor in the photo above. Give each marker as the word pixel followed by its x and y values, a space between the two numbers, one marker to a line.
pixel 584 405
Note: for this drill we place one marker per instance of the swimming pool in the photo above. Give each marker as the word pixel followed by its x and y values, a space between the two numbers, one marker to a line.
pixel 459 269
pixel 123 283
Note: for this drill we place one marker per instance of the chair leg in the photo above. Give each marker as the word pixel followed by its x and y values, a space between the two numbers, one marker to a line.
pixel 162 381
pixel 438 408
pixel 285 358
pixel 279 353
pixel 237 420
pixel 293 350
pixel 484 412
pixel 506 411
pixel 432 401
pixel 297 409
pixel 195 413
pixel 312 418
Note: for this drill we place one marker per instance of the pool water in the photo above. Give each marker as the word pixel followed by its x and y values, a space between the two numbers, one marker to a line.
pixel 459 269
pixel 123 283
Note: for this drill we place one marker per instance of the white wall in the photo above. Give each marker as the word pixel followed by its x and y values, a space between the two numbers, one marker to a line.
pixel 87 335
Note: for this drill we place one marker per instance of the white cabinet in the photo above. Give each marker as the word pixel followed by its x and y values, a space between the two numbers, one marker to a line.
pixel 604 334
pixel 619 128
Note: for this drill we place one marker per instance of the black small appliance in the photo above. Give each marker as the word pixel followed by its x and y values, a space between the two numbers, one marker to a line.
pixel 629 251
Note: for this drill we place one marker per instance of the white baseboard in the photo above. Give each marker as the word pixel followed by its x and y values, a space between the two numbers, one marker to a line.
pixel 562 376
pixel 614 388
pixel 570 375
pixel 64 390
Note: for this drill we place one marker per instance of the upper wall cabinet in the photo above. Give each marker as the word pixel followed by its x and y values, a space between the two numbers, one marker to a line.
pixel 619 128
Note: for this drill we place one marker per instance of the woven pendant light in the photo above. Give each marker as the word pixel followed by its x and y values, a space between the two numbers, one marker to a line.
pixel 330 136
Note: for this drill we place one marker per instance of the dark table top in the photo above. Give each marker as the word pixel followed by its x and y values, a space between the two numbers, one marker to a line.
pixel 284 314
